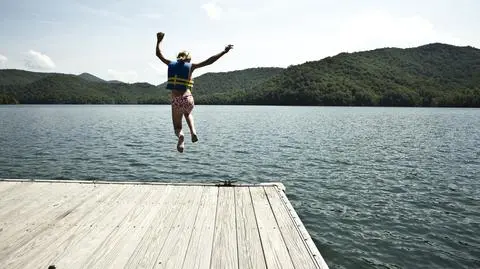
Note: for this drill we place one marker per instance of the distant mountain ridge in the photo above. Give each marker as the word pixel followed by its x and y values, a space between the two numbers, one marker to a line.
pixel 430 75
pixel 32 87
pixel 90 77
pixel 20 77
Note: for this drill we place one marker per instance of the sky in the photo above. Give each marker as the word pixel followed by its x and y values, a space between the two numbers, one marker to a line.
pixel 115 39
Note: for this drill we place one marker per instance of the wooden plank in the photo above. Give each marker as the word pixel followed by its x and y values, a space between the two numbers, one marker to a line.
pixel 12 189
pixel 199 250
pixel 250 251
pixel 28 204
pixel 176 243
pixel 121 243
pixel 303 231
pixel 16 194
pixel 25 229
pixel 19 199
pixel 91 239
pixel 275 251
pixel 224 252
pixel 86 225
pixel 146 253
pixel 301 257
pixel 66 230
pixel 143 182
pixel 6 188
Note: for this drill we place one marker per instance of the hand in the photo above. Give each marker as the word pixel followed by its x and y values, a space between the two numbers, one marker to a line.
pixel 160 36
pixel 229 47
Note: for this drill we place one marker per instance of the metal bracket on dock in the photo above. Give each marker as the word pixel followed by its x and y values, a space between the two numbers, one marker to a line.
pixel 226 183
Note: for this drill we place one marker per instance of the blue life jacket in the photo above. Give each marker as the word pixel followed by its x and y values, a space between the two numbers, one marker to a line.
pixel 179 76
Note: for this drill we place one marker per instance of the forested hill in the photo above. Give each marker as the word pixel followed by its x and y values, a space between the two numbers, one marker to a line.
pixel 40 88
pixel 20 77
pixel 24 87
pixel 430 75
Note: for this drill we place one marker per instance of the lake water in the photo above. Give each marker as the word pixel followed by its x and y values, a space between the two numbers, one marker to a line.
pixel 375 187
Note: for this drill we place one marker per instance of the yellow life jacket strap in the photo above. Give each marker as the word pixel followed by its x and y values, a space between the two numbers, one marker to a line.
pixel 180 81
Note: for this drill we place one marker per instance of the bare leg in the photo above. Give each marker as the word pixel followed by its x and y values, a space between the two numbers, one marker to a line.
pixel 191 125
pixel 177 127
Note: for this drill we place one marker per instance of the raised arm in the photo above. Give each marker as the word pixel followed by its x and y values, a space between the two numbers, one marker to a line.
pixel 212 59
pixel 157 48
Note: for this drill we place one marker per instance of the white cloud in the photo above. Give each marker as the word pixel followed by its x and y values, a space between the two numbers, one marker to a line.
pixel 3 61
pixel 38 61
pixel 377 28
pixel 155 73
pixel 213 10
pixel 124 76
pixel 159 69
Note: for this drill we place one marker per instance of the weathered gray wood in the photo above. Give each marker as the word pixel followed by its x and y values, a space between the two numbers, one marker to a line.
pixel 56 241
pixel 176 243
pixel 8 187
pixel 153 241
pixel 11 190
pixel 143 182
pixel 34 205
pixel 275 251
pixel 200 247
pixel 224 251
pixel 108 225
pixel 119 245
pixel 249 244
pixel 304 233
pixel 21 199
pixel 23 231
pixel 295 244
pixel 89 240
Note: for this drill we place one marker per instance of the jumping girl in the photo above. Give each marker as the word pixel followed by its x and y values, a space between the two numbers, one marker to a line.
pixel 180 83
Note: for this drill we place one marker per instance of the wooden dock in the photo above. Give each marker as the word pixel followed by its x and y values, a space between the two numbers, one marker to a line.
pixel 85 224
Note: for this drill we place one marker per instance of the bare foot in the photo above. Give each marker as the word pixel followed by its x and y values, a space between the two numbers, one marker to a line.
pixel 194 138
pixel 181 144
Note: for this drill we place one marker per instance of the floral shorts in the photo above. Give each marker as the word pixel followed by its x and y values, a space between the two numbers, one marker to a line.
pixel 183 104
